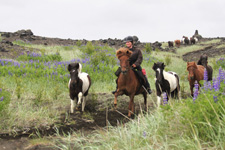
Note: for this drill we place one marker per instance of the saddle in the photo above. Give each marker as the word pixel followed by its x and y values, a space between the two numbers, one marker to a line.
pixel 140 76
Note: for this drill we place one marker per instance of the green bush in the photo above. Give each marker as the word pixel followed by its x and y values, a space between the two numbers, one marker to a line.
pixel 89 49
pixel 167 60
pixel 79 43
pixel 148 48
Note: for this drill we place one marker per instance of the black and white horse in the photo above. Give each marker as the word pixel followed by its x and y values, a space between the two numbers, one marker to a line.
pixel 79 85
pixel 166 82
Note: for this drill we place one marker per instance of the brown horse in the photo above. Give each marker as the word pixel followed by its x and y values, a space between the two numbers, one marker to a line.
pixel 204 62
pixel 196 73
pixel 128 82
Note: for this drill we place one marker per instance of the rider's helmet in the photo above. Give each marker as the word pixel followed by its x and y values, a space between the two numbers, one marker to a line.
pixel 129 39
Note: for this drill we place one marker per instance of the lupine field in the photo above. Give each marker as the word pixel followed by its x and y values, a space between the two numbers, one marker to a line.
pixel 34 92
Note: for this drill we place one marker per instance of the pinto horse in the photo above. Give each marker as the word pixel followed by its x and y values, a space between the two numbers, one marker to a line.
pixel 166 82
pixel 128 82
pixel 204 62
pixel 196 73
pixel 79 85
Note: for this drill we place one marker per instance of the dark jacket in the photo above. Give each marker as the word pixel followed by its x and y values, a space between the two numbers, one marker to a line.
pixel 136 57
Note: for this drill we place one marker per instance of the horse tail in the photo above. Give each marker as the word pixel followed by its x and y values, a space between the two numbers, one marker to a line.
pixel 178 86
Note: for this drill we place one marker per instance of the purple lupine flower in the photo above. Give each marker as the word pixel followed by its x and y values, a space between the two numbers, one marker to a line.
pixel 195 95
pixel 220 75
pixel 215 98
pixel 216 85
pixel 9 73
pixel 0 90
pixel 144 134
pixel 205 75
pixel 205 80
pixel 165 100
pixel 1 99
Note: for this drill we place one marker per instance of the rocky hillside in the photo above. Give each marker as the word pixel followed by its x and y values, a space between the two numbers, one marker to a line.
pixel 9 50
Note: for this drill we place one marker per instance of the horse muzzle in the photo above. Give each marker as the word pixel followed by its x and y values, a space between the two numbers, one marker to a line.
pixel 124 71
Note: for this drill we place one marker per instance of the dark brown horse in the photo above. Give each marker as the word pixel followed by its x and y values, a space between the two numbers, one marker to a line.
pixel 204 62
pixel 196 73
pixel 128 82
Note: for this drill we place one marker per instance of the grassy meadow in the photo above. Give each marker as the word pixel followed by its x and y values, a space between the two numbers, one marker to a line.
pixel 34 92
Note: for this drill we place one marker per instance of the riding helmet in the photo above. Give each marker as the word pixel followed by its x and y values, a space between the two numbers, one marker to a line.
pixel 129 39
pixel 135 38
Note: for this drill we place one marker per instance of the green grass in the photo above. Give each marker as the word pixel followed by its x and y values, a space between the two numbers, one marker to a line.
pixel 0 37
pixel 182 50
pixel 211 42
pixel 221 46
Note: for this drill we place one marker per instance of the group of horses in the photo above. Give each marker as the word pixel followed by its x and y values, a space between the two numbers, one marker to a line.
pixel 129 84
pixel 185 41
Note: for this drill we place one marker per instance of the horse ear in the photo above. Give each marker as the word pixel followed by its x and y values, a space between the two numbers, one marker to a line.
pixel 129 53
pixel 118 52
pixel 77 65
pixel 163 65
pixel 153 67
pixel 69 67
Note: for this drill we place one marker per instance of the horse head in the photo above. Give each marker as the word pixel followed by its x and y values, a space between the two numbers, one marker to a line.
pixel 203 60
pixel 123 54
pixel 158 68
pixel 74 69
pixel 191 66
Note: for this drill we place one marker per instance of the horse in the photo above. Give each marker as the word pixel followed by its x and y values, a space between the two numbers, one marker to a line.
pixel 204 62
pixel 166 82
pixel 196 73
pixel 192 40
pixel 170 43
pixel 128 83
pixel 79 85
pixel 177 43
pixel 186 40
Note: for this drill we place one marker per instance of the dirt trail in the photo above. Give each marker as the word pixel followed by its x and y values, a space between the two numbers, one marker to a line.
pixel 96 116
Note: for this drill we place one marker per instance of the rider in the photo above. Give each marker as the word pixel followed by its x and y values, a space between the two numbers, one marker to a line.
pixel 135 61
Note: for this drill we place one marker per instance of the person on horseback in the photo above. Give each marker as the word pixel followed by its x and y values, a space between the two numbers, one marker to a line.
pixel 135 61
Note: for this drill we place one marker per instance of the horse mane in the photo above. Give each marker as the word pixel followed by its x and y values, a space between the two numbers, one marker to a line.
pixel 123 51
pixel 192 64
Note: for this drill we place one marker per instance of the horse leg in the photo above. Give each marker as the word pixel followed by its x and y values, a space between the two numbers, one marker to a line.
pixel 83 103
pixel 79 98
pixel 158 98
pixel 158 93
pixel 73 104
pixel 145 100
pixel 131 106
pixel 118 92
